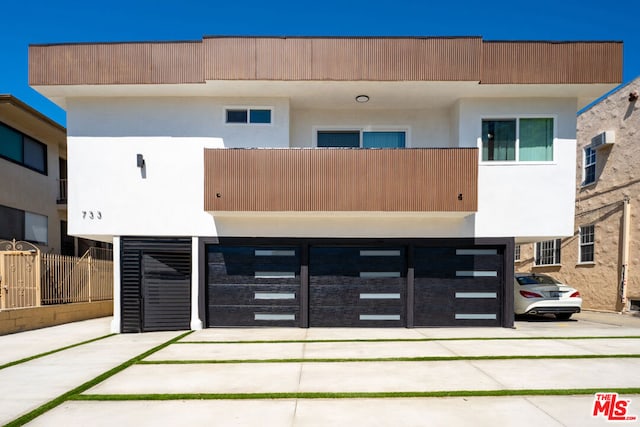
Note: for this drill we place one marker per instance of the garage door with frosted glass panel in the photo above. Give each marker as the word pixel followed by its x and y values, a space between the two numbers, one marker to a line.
pixel 458 286
pixel 253 286
pixel 357 286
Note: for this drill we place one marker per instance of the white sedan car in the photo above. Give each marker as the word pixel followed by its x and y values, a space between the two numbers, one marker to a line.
pixel 542 294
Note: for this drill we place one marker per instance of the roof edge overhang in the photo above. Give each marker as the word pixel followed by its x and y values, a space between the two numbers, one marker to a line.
pixel 326 58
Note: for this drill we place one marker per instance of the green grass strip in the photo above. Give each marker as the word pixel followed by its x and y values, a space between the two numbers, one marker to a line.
pixel 390 359
pixel 352 395
pixel 38 356
pixel 357 340
pixel 91 383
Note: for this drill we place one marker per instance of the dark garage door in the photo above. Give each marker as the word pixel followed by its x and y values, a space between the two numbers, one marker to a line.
pixel 253 286
pixel 458 286
pixel 357 286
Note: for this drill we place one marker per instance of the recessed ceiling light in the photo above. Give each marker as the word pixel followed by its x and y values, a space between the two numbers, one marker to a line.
pixel 362 98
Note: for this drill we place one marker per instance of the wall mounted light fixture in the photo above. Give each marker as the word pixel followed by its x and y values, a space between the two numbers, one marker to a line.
pixel 633 96
pixel 362 99
pixel 140 160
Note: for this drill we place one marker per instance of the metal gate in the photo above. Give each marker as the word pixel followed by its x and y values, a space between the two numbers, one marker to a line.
pixel 155 280
pixel 19 275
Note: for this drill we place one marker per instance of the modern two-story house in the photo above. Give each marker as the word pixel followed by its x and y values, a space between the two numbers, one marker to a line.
pixel 320 181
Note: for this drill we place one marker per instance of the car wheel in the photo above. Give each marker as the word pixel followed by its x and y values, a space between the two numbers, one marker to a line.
pixel 563 316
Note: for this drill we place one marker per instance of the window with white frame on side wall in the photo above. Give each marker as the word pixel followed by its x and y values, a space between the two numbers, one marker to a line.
pixel 548 252
pixel 520 139
pixel 516 255
pixel 589 168
pixel 248 115
pixel 587 244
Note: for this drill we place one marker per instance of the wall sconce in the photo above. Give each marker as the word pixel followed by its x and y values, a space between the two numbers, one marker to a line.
pixel 140 160
pixel 633 96
pixel 362 99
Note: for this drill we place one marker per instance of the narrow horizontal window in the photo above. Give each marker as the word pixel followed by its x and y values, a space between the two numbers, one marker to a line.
pixel 237 116
pixel 379 317
pixel 476 295
pixel 268 316
pixel 265 252
pixel 379 253
pixel 248 115
pixel 379 296
pixel 274 295
pixel 275 275
pixel 479 316
pixel 379 274
pixel 259 116
pixel 476 274
pixel 476 251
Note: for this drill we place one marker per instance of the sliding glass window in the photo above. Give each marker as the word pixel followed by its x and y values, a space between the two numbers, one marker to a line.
pixel 364 139
pixel 524 139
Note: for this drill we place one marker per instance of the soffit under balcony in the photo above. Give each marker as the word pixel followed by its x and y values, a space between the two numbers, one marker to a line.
pixel 404 95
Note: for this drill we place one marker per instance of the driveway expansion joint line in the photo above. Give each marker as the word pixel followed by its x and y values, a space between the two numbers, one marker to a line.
pixel 389 359
pixel 31 415
pixel 385 340
pixel 47 353
pixel 349 395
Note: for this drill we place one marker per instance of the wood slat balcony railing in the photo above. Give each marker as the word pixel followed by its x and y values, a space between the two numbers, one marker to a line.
pixel 340 180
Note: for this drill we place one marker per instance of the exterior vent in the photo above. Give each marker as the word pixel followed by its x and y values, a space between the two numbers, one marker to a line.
pixel 604 139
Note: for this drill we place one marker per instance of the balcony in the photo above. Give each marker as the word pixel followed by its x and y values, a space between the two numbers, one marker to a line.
pixel 341 180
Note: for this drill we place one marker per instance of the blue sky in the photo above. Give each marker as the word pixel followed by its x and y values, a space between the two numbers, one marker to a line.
pixel 48 21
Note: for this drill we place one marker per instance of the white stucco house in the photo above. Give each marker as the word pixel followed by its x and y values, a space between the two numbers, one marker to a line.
pixel 320 181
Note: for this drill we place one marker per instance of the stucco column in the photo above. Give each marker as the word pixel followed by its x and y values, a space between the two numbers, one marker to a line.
pixel 196 322
pixel 115 323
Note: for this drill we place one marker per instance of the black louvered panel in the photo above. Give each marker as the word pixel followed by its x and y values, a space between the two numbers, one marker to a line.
pixel 130 294
pixel 155 284
pixel 166 290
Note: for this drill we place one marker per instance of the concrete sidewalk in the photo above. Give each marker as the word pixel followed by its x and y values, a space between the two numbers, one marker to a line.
pixel 28 385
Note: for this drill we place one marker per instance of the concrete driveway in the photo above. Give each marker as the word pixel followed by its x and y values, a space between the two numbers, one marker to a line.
pixel 543 372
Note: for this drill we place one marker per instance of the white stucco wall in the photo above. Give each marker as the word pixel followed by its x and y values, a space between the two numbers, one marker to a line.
pixel 425 128
pixel 528 200
pixel 525 200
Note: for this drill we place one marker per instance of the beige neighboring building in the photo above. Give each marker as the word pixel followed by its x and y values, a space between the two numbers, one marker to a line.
pixel 602 258
pixel 33 151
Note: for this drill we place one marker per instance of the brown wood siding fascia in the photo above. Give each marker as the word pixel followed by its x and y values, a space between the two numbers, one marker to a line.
pixel 551 63
pixel 343 59
pixel 326 59
pixel 116 63
pixel 332 180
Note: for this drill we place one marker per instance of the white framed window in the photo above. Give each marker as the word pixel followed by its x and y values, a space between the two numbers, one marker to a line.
pixel 360 138
pixel 520 139
pixel 248 115
pixel 516 255
pixel 589 169
pixel 587 244
pixel 548 252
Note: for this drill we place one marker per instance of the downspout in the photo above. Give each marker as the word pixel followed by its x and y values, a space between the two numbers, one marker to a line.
pixel 624 271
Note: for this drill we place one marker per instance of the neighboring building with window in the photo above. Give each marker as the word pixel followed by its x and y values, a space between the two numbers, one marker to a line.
pixel 602 258
pixel 32 147
pixel 321 181
pixel 33 180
